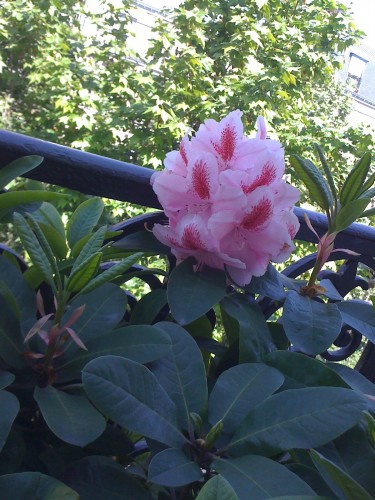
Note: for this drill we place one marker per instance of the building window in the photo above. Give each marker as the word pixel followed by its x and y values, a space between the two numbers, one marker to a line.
pixel 355 71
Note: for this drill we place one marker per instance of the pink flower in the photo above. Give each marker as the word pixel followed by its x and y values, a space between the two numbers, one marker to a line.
pixel 227 203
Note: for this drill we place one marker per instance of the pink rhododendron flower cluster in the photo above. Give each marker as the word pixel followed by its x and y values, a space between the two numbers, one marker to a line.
pixel 227 203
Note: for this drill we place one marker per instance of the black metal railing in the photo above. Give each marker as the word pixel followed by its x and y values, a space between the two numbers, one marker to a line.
pixel 96 175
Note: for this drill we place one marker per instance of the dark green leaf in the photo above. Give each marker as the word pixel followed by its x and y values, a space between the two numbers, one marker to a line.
pixel 173 468
pixel 302 371
pixel 191 294
pixel 353 378
pixel 105 307
pixel 130 395
pixel 9 409
pixel 257 477
pixel 327 171
pixel 141 343
pixel 17 168
pixel 84 219
pixel 99 478
pixel 6 378
pixel 11 340
pixel 217 488
pixel 360 316
pixel 33 485
pixel 13 199
pixel 254 335
pixel 341 483
pixel 298 418
pixel 92 246
pixel 72 418
pixel 238 390
pixel 354 182
pixel 148 307
pixel 314 181
pixel 55 240
pixel 47 214
pixel 268 285
pixel 182 373
pixel 310 326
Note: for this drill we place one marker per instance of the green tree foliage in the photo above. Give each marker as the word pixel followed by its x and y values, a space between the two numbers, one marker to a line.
pixel 271 57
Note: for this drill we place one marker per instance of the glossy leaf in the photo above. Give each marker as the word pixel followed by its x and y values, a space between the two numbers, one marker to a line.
pixel 269 285
pixel 92 247
pixel 360 316
pixel 18 167
pixel 257 477
pixel 104 308
pixel 327 171
pixel 350 213
pixel 354 182
pixel 34 249
pixel 255 340
pixel 98 478
pixel 310 326
pixel 84 219
pixel 28 485
pixel 13 199
pixel 191 294
pixel 47 214
pixel 6 378
pixel 72 418
pixel 341 483
pixel 238 390
pixel 302 371
pixel 353 378
pixel 111 273
pixel 9 409
pixel 173 468
pixel 314 181
pixel 141 343
pixel 298 418
pixel 217 488
pixel 130 395
pixel 55 240
pixel 182 373
pixel 148 307
pixel 83 273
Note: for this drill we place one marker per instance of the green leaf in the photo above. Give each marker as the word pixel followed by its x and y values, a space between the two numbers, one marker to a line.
pixel 55 240
pixel 257 477
pixel 341 483
pixel 141 343
pixel 30 485
pixel 99 478
pixel 302 371
pixel 111 273
pixel 11 340
pixel 72 418
pixel 217 488
pixel 238 390
pixel 182 373
pixel 327 171
pixel 360 316
pixel 13 199
pixel 191 294
pixel 142 241
pixel 34 249
pixel 353 378
pixel 254 335
pixel 173 468
pixel 18 167
pixel 130 395
pixel 104 309
pixel 298 418
pixel 6 378
pixel 310 326
pixel 354 182
pixel 268 285
pixel 82 274
pixel 148 307
pixel 47 214
pixel 350 213
pixel 9 409
pixel 92 246
pixel 314 181
pixel 84 219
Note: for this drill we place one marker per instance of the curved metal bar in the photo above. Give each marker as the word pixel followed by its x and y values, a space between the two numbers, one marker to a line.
pixel 101 176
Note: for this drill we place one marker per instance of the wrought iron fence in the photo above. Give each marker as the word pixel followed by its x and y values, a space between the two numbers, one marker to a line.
pixel 96 175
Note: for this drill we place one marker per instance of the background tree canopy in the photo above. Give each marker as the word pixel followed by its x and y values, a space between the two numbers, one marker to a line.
pixel 272 57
